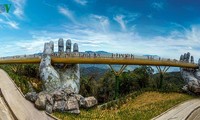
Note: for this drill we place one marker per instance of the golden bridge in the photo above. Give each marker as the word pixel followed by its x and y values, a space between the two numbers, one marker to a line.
pixel 124 60
pixel 100 60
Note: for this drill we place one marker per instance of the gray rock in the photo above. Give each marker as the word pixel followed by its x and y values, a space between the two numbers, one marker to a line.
pixel 50 99
pixel 59 106
pixel 74 111
pixel 82 102
pixel 58 95
pixel 68 91
pixel 31 96
pixel 90 102
pixel 40 103
pixel 71 104
pixel 78 97
pixel 49 108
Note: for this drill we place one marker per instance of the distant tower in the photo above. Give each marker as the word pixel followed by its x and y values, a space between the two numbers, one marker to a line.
pixel 60 45
pixel 75 47
pixel 68 46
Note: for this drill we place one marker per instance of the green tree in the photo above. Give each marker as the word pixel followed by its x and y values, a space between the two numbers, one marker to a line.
pixel 143 75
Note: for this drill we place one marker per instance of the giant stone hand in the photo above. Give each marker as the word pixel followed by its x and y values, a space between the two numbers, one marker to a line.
pixel 59 75
pixel 191 76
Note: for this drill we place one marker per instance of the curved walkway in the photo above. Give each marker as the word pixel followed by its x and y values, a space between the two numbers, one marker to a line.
pixel 183 111
pixel 4 111
pixel 195 115
pixel 20 107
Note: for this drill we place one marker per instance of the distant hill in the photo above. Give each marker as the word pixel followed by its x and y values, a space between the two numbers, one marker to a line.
pixel 99 52
pixel 95 72
pixel 154 56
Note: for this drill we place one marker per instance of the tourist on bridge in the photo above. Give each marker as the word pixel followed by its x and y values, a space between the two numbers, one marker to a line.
pixel 95 55
pixel 116 55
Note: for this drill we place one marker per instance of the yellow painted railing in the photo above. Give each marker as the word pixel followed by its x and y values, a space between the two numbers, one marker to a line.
pixel 80 60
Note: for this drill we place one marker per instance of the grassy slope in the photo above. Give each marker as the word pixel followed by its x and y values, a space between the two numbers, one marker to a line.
pixel 143 107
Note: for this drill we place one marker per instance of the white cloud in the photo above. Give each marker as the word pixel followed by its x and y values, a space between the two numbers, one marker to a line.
pixel 130 42
pixel 157 5
pixel 66 12
pixel 19 8
pixel 82 2
pixel 99 21
pixel 124 17
pixel 91 38
pixel 11 24
pixel 120 20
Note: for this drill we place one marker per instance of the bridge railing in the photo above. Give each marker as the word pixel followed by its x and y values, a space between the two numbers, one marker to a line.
pixel 94 55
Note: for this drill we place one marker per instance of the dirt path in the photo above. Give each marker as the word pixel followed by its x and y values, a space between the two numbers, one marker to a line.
pixel 22 109
pixel 181 112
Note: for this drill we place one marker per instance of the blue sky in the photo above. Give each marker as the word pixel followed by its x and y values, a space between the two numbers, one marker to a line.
pixel 166 28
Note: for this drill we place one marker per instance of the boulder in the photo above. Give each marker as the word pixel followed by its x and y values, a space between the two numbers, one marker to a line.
pixel 71 104
pixel 75 111
pixel 62 100
pixel 50 99
pixel 49 108
pixel 58 95
pixel 68 91
pixel 31 96
pixel 90 102
pixel 40 103
pixel 59 106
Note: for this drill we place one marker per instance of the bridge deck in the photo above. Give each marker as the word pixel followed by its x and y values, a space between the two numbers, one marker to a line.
pixel 121 61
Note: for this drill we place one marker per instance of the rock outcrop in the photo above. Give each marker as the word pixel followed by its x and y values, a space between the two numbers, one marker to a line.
pixel 62 100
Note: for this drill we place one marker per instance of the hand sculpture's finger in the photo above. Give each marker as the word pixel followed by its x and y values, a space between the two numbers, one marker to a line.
pixel 181 58
pixel 68 46
pixel 48 74
pixel 199 63
pixel 46 59
pixel 188 57
pixel 185 57
pixel 75 47
pixel 60 46
pixel 192 59
pixel 60 53
pixel 48 48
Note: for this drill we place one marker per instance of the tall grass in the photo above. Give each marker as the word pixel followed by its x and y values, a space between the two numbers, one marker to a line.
pixel 143 107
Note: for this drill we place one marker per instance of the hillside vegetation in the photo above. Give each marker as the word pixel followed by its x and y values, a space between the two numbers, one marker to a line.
pixel 143 107
pixel 142 93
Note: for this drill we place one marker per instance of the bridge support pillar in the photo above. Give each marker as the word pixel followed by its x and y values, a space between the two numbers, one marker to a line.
pixel 162 72
pixel 117 80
